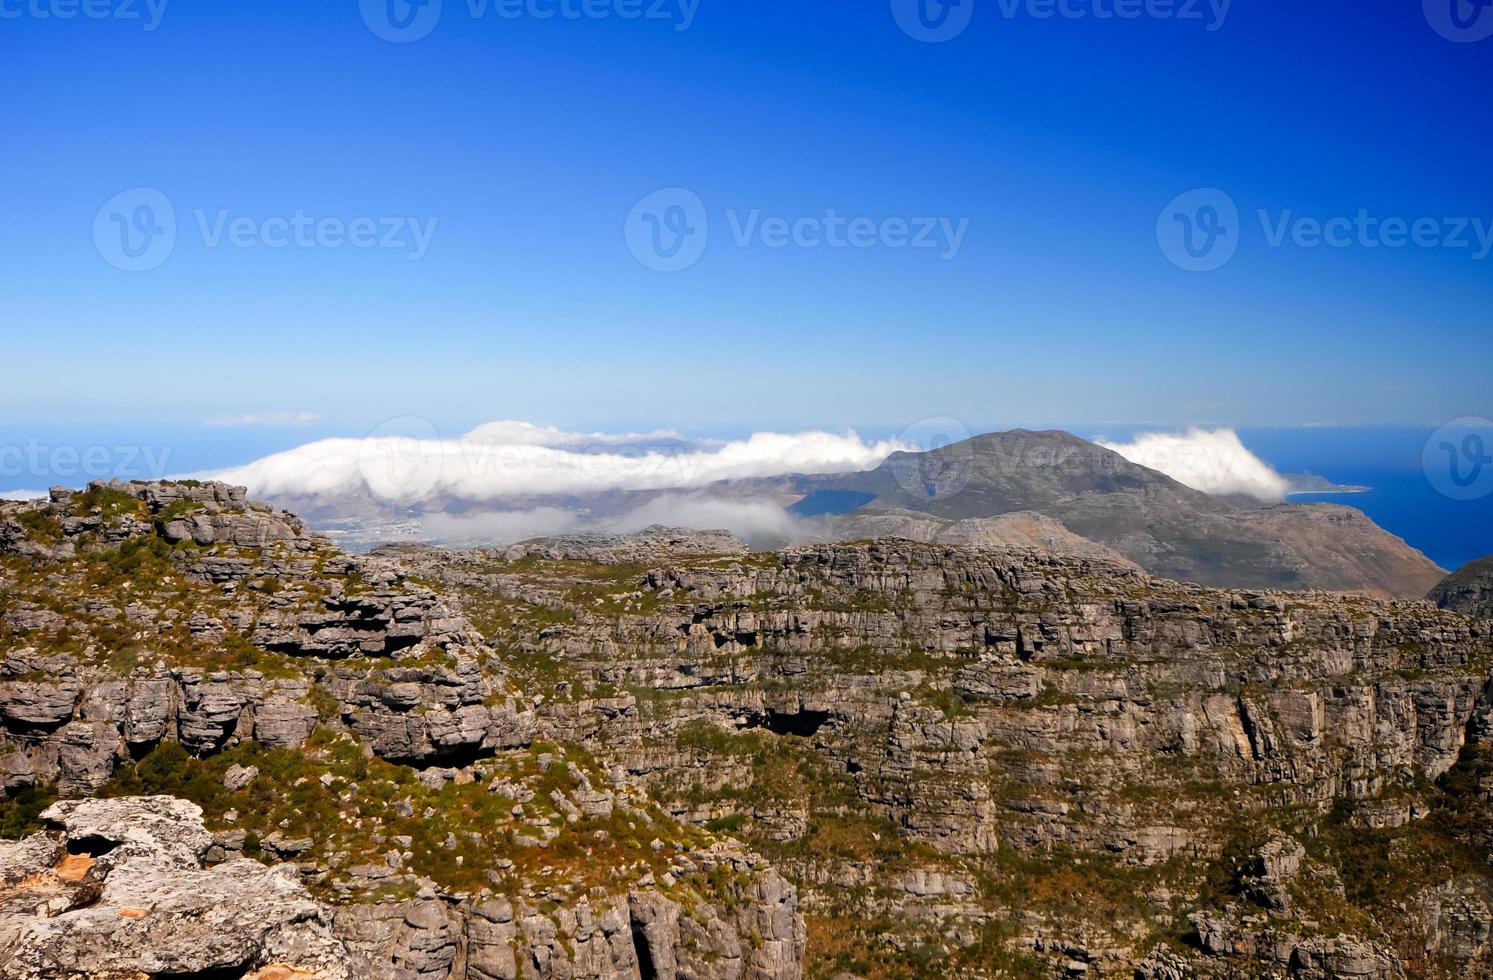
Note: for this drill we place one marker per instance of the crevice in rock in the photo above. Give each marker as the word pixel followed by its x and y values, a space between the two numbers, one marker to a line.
pixel 397 644
pixel 803 724
pixel 94 846
pixel 216 973
pixel 458 757
pixel 647 970
pixel 24 730
pixel 139 750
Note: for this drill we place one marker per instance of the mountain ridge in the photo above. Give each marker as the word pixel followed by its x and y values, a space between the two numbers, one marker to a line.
pixel 1167 528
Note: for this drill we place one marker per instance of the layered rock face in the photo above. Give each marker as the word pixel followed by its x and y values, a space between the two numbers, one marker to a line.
pixel 326 712
pixel 145 664
pixel 926 736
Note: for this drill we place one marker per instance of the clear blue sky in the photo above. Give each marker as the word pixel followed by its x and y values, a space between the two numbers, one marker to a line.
pixel 530 140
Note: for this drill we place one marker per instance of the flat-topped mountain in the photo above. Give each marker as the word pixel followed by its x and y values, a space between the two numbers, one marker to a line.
pixel 1165 527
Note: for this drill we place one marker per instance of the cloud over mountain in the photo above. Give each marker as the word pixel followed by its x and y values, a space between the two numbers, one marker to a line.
pixel 515 459
pixel 748 519
pixel 1213 461
pixel 497 526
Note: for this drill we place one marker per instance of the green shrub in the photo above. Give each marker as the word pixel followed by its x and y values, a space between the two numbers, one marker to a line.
pixel 19 812
pixel 40 525
pixel 729 824
pixel 109 502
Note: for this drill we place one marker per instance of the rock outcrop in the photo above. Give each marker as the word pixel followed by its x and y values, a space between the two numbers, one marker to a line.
pixel 323 710
pixel 119 889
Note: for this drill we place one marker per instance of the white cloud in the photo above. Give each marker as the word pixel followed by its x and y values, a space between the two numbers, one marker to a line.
pixel 514 459
pixel 265 419
pixel 492 528
pixel 699 512
pixel 23 494
pixel 1212 461
pixel 511 433
pixel 748 519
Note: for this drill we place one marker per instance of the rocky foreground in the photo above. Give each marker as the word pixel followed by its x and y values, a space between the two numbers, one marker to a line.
pixel 234 752
pixel 325 716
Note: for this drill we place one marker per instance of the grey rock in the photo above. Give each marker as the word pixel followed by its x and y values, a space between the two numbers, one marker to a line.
pixel 280 722
pixel 237 777
pixel 148 907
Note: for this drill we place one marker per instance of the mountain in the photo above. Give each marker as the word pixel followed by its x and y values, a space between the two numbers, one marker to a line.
pixel 229 751
pixel 1165 527
pixel 1468 590
pixel 1088 500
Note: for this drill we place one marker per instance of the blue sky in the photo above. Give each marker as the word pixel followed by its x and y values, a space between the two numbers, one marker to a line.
pixel 1058 142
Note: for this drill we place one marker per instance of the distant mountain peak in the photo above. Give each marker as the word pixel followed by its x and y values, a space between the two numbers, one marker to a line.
pixel 1152 519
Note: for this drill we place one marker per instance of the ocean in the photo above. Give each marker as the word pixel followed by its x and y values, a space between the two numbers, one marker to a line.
pixel 1405 495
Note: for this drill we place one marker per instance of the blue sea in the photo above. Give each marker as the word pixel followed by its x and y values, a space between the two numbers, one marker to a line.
pixel 1402 498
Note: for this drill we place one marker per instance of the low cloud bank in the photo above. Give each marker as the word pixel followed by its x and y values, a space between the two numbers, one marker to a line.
pixel 748 519
pixel 514 459
pixel 1213 461
pixel 514 433
pixel 497 527
pixel 23 494
pixel 507 481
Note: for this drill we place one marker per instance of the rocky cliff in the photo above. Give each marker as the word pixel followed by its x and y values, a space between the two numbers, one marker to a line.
pixel 1009 762
pixel 326 716
pixel 639 758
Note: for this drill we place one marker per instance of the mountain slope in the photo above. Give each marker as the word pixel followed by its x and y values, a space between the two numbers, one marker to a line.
pixel 1468 590
pixel 1165 527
